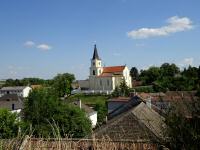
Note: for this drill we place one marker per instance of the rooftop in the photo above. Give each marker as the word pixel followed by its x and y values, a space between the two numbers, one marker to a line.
pixel 139 123
pixel 12 88
pixel 113 69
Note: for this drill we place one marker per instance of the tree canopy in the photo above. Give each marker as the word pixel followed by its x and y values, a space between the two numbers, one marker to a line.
pixel 47 114
pixel 170 77
pixel 134 73
pixel 62 84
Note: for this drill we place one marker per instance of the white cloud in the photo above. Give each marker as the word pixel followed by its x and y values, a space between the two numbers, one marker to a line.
pixel 44 47
pixel 29 44
pixel 186 62
pixel 175 24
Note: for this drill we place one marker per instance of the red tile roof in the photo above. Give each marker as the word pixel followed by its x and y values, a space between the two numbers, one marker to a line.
pixel 113 69
pixel 106 75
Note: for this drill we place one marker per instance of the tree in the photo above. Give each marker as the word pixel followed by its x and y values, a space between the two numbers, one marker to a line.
pixel 101 111
pixel 150 75
pixel 169 69
pixel 122 90
pixel 9 124
pixel 47 115
pixel 183 121
pixel 116 92
pixel 62 84
pixel 134 73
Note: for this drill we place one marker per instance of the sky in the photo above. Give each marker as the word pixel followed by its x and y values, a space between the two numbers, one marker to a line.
pixel 41 38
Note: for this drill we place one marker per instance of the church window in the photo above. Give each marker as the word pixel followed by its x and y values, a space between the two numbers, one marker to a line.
pixel 108 82
pixel 93 72
pixel 99 63
pixel 100 83
pixel 99 71
pixel 93 63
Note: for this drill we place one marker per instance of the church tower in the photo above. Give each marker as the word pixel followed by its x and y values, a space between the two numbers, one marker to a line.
pixel 96 64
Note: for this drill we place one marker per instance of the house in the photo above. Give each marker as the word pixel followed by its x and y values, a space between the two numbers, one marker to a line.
pixel 11 102
pixel 91 114
pixel 134 121
pixel 163 101
pixel 22 91
pixel 115 103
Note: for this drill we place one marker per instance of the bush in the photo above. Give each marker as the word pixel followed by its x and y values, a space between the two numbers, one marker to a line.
pixel 9 124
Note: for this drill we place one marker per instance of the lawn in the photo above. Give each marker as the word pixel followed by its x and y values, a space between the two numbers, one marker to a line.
pixel 90 99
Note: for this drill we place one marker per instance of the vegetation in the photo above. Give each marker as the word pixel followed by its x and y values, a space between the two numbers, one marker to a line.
pixel 25 82
pixel 9 124
pixel 122 90
pixel 134 73
pixel 48 116
pixel 95 100
pixel 62 84
pixel 91 99
pixel 169 77
pixel 183 121
pixel 102 112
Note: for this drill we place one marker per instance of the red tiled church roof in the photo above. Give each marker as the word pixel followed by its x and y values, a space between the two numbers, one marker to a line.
pixel 113 69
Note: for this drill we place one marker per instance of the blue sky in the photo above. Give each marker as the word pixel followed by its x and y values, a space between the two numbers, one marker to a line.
pixel 40 38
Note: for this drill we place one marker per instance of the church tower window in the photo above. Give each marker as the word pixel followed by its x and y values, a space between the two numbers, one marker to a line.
pixel 93 72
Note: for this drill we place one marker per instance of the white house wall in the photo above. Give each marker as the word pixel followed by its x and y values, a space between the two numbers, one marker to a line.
pixel 26 91
pixel 93 118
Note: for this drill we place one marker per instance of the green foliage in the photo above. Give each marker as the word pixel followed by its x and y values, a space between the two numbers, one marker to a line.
pixel 116 92
pixel 48 116
pixel 150 75
pixel 169 77
pixel 122 90
pixel 24 82
pixel 146 89
pixel 9 124
pixel 169 70
pixel 183 121
pixel 134 73
pixel 101 112
pixel 62 84
pixel 91 99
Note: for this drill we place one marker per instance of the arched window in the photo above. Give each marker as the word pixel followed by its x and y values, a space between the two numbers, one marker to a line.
pixel 93 72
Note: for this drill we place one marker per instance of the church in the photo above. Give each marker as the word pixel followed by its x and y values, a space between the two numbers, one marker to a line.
pixel 106 79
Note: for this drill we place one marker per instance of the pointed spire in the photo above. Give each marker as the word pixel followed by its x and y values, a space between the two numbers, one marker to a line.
pixel 95 54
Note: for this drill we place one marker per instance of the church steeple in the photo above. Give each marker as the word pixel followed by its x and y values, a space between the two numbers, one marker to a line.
pixel 95 54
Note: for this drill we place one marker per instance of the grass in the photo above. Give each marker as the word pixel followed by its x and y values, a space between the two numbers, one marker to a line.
pixel 90 99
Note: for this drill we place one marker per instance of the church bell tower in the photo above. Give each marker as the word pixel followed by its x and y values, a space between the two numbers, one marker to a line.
pixel 96 65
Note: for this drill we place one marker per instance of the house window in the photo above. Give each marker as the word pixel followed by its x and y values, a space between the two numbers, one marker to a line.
pixel 93 72
pixel 99 63
pixel 7 92
pixel 99 71
pixel 13 106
